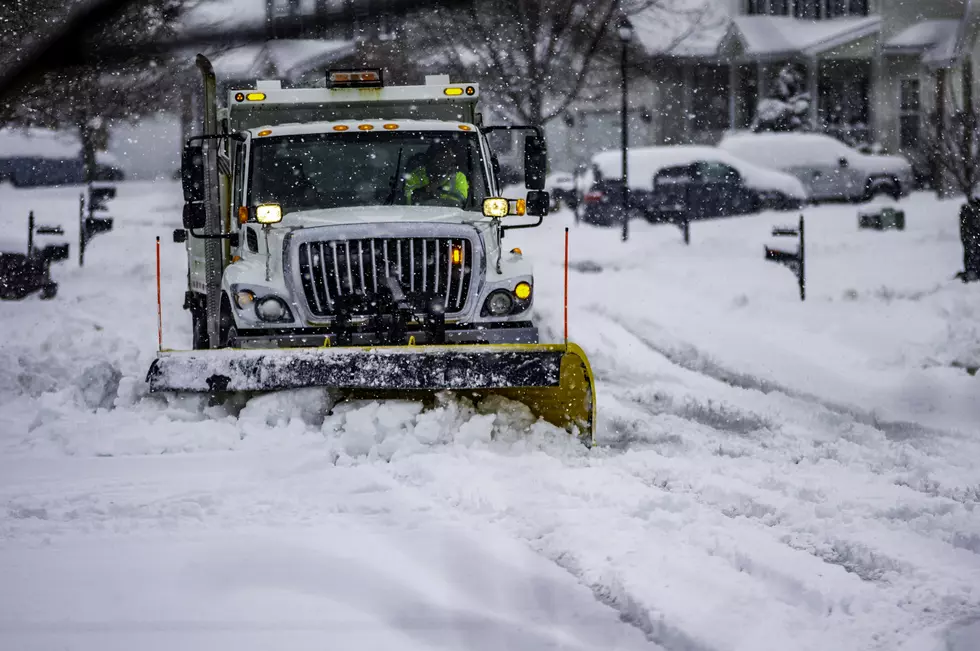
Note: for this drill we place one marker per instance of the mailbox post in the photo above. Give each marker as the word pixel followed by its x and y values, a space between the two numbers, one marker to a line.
pixel 90 226
pixel 796 261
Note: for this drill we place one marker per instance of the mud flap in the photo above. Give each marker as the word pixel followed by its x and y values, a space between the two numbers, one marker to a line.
pixel 553 380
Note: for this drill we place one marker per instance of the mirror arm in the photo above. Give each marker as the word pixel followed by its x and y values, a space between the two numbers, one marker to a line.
pixel 220 236
pixel 504 229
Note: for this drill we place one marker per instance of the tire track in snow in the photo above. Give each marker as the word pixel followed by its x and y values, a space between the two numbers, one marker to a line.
pixel 689 357
pixel 924 439
pixel 927 521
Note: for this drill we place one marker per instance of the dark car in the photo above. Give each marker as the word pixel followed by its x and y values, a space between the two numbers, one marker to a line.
pixel 703 190
pixel 27 171
pixel 604 203
pixel 703 182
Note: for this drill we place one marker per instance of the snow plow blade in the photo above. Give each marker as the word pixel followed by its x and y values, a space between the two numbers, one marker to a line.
pixel 554 380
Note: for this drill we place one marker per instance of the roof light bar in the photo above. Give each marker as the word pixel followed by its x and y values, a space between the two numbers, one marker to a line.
pixel 364 78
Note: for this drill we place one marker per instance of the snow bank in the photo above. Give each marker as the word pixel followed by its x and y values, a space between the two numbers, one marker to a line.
pixel 645 162
pixel 44 143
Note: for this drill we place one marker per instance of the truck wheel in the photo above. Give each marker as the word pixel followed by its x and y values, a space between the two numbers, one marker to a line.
pixel 199 331
pixel 227 329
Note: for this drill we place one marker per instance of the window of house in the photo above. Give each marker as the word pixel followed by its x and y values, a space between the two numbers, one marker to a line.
pixel 806 9
pixel 810 9
pixel 909 114
pixel 768 7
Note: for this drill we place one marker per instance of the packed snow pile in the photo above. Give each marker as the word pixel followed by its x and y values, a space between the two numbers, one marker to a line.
pixel 771 474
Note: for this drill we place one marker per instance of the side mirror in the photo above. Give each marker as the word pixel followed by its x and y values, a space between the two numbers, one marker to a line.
pixel 535 163
pixel 844 163
pixel 538 203
pixel 192 172
pixel 195 215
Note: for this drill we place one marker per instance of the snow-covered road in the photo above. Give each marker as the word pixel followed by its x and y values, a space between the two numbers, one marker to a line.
pixel 772 475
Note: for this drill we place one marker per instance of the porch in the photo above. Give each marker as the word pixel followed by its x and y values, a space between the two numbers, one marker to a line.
pixel 718 84
pixel 718 97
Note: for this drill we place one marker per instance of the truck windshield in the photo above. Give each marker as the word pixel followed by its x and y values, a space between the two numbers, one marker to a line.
pixel 373 168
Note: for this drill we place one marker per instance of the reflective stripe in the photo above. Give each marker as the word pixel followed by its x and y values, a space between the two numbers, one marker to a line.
pixel 456 187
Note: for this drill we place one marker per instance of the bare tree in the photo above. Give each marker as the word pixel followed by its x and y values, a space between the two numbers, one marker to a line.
pixel 955 144
pixel 87 97
pixel 534 56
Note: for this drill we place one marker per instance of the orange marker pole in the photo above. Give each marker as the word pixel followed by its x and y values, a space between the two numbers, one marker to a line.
pixel 566 285
pixel 159 303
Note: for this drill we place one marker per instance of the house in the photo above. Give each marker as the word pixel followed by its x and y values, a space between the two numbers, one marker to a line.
pixel 872 66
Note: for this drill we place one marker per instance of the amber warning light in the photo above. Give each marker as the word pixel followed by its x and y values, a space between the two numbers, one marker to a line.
pixel 369 78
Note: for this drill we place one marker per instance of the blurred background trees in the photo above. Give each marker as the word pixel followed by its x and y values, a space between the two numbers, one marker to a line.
pixel 88 97
pixel 534 58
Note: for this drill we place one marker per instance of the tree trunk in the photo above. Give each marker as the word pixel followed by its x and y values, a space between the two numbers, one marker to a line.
pixel 87 135
pixel 970 238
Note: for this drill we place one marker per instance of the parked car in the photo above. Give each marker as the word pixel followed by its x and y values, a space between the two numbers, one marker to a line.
pixel 703 181
pixel 561 187
pixel 604 203
pixel 828 168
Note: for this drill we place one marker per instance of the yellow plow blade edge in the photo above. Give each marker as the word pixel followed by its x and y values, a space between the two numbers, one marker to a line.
pixel 554 380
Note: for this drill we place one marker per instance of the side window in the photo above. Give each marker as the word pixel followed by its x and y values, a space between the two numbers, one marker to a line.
pixel 715 172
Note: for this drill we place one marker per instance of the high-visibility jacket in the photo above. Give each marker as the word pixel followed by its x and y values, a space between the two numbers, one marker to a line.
pixel 454 187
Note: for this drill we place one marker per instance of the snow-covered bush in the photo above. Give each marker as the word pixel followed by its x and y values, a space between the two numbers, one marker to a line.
pixel 787 107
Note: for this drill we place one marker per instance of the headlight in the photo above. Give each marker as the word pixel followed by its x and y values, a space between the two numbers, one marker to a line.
pixel 271 308
pixel 244 298
pixel 523 291
pixel 499 303
pixel 269 213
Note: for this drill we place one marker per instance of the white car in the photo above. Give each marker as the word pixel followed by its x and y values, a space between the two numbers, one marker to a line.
pixel 828 168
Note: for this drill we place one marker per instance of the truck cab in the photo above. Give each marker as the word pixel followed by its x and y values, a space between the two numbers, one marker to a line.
pixel 356 215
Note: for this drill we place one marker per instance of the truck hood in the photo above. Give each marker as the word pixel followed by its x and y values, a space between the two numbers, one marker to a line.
pixel 378 214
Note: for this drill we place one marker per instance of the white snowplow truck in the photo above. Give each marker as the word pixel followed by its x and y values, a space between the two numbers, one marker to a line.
pixel 351 237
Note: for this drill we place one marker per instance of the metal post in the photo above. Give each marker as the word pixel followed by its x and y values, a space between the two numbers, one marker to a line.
pixel 81 230
pixel 802 278
pixel 625 144
pixel 733 75
pixel 30 234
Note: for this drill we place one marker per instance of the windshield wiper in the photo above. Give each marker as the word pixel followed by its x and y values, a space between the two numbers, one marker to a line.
pixel 394 179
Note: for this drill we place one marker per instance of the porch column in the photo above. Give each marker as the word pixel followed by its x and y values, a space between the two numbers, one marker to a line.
pixel 761 81
pixel 732 85
pixel 813 82
pixel 938 174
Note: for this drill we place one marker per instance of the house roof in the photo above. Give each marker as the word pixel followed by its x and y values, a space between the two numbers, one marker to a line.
pixel 767 36
pixel 759 36
pixel 922 36
pixel 949 51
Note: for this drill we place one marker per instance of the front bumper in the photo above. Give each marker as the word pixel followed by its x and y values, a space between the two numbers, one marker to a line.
pixel 507 333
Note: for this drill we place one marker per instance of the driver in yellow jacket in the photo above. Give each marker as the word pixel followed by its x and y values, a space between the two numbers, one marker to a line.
pixel 439 181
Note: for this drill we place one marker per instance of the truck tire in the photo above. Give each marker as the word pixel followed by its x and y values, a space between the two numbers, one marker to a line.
pixel 199 331
pixel 888 186
pixel 227 329
pixel 49 291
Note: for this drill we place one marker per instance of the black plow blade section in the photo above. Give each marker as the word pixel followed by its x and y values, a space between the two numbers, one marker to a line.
pixel 401 368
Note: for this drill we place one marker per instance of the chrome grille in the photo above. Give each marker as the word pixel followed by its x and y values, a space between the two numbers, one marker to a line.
pixel 335 269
